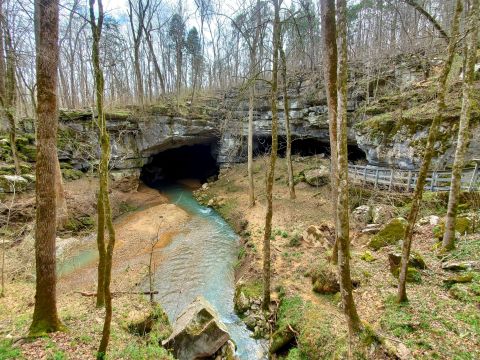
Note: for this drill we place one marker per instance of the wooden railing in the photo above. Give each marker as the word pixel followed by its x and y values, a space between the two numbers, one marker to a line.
pixel 406 180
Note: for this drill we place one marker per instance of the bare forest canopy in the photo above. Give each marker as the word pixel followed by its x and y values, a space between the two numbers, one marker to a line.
pixel 150 48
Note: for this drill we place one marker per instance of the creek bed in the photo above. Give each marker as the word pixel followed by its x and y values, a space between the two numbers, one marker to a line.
pixel 199 262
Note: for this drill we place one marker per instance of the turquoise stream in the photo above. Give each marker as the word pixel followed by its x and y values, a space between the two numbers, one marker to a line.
pixel 199 262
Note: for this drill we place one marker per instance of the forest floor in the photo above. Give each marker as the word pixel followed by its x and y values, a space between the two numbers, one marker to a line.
pixel 436 323
pixel 138 216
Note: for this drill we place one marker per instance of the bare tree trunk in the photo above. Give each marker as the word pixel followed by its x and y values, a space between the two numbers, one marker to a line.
pixel 138 73
pixel 343 236
pixel 273 159
pixel 103 198
pixel 462 141
pixel 96 26
pixel 428 153
pixel 251 104
pixel 286 112
pixel 8 101
pixel 100 245
pixel 251 186
pixel 45 317
pixel 330 73
pixel 155 61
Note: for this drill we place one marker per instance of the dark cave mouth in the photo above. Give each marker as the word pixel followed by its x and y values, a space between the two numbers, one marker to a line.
pixel 196 162
pixel 302 147
pixel 199 161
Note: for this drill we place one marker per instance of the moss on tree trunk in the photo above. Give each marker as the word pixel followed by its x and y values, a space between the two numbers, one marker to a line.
pixel 428 153
pixel 463 134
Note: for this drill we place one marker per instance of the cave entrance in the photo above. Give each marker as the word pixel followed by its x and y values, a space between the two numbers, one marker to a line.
pixel 193 162
pixel 300 146
pixel 303 147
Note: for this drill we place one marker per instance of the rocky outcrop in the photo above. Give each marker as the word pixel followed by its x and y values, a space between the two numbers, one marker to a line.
pixel 12 183
pixel 394 129
pixel 317 177
pixel 391 127
pixel 197 333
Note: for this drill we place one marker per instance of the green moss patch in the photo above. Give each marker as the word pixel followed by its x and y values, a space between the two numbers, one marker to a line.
pixel 324 278
pixel 463 226
pixel 391 233
pixel 315 334
pixel 71 174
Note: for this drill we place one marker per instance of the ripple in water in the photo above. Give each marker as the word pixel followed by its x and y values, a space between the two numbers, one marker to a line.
pixel 199 261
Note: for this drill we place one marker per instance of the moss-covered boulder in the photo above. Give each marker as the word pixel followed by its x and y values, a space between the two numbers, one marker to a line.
pixel 390 234
pixel 463 225
pixel 458 279
pixel 460 292
pixel 12 183
pixel 317 177
pixel 75 224
pixel 7 169
pixel 197 332
pixel 415 261
pixel 413 275
pixel 281 339
pixel 324 278
pixel 314 338
pixel 153 321
pixel 246 294
pixel 28 153
pixel 71 174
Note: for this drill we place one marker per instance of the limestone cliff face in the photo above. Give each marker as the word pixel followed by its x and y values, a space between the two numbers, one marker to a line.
pixel 391 127
pixel 394 130
pixel 136 136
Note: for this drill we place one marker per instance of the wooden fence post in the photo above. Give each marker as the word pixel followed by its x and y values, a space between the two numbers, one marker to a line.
pixel 474 175
pixel 433 181
pixel 390 186
pixel 409 179
pixel 376 179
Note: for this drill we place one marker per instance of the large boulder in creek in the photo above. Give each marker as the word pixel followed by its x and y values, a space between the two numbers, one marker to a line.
pixel 197 333
pixel 317 177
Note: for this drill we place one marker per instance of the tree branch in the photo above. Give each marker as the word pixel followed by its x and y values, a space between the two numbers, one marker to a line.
pixel 429 17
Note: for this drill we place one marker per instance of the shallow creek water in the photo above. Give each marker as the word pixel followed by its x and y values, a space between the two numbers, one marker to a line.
pixel 199 262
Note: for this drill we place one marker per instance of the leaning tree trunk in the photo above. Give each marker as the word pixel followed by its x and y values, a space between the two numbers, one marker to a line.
pixel 45 317
pixel 330 74
pixel 273 159
pixel 428 153
pixel 343 235
pixel 429 17
pixel 286 112
pixel 462 140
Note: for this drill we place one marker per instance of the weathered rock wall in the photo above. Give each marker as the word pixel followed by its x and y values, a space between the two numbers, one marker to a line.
pixel 389 117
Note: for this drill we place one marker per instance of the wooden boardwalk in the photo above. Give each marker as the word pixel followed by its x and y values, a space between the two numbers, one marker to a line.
pixel 406 180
